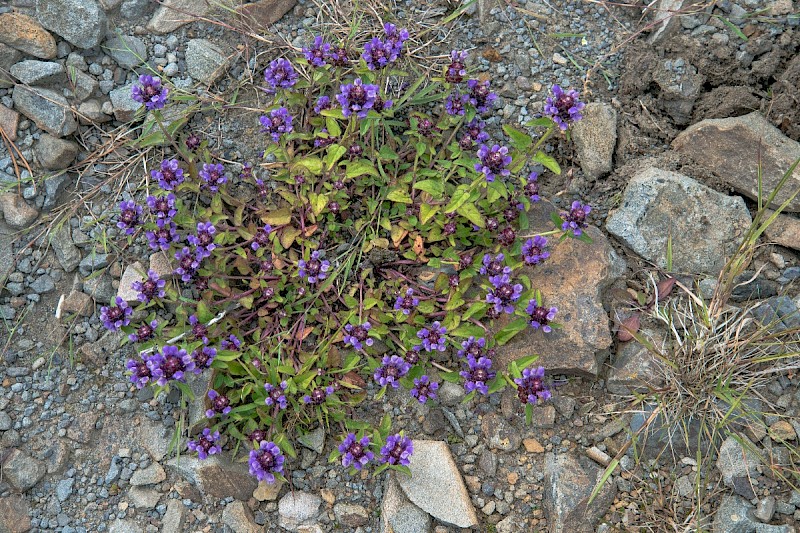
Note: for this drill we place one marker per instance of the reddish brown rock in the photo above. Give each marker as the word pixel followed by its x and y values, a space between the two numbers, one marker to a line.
pixel 78 302
pixel 730 149
pixel 14 514
pixel 784 230
pixel 25 34
pixel 9 120
pixel 265 12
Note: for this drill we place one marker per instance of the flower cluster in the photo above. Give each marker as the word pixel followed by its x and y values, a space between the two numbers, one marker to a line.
pixel 493 162
pixel 277 123
pixel 213 175
pixel 575 219
pixel 564 107
pixel 433 338
pixel 206 444
pixel 280 75
pixel 540 316
pixel 129 217
pixel 503 293
pixel 149 288
pixel 169 175
pixel 533 251
pixel 315 269
pixel 355 452
pixel 424 389
pixel 171 363
pixel 220 404
pixel 358 336
pixel 318 53
pixel 266 461
pixel 397 451
pixel 531 387
pixel 379 53
pixel 480 95
pixel 276 394
pixel 406 303
pixel 357 98
pixel 392 368
pixel 116 316
pixel 150 92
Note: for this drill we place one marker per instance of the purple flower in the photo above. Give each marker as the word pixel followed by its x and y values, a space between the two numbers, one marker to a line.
pixel 575 220
pixel 340 57
pixel 150 93
pixel 494 266
pixel 130 216
pixel 203 357
pixel 456 70
pixel 406 303
pixel 314 269
pixel 540 316
pixel 397 451
pixel 231 343
pixel 204 240
pixel 318 53
pixel 116 316
pixel 277 123
pixel 170 175
pixel 533 251
pixel 395 39
pixel 377 54
pixel 213 175
pixel 266 461
pixel 324 139
pixel 480 96
pixel 198 329
pixel 357 98
pixel 454 104
pixel 188 263
pixel 220 404
pixel 531 188
pixel 323 102
pixel 149 288
pixel 166 233
pixel 391 370
pixel 280 74
pixel 424 389
pixel 503 293
pixel 140 372
pixel 358 335
pixel 170 363
pixel 144 332
pixel 162 206
pixel 355 452
pixel 564 107
pixel 275 395
pixel 472 347
pixel 205 444
pixel 478 373
pixel 531 387
pixel 475 129
pixel 433 338
pixel 318 395
pixel 494 161
pixel 193 142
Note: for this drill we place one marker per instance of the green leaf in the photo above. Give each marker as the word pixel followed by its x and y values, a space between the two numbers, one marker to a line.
pixel 399 194
pixel 471 213
pixel 427 212
pixel 495 191
pixel 203 314
pixel 359 168
pixel 335 153
pixel 333 127
pixel 334 113
pixel 510 330
pixel 519 140
pixel 433 187
pixel 547 162
pixel 542 121
pixel 312 164
pixel 474 309
pixel 318 202
pixel 387 153
pixel 459 198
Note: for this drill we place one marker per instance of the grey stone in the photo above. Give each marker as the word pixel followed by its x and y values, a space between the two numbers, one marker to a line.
pixel 43 284
pixel 92 262
pixel 54 187
pixel 435 485
pixel 737 461
pixel 410 519
pixel 54 153
pixel 32 72
pixel 172 14
pixel 765 509
pixel 351 515
pixel 7 261
pixel 81 22
pixel 569 482
pixel 684 486
pixel 450 394
pixel 8 57
pixel 91 112
pixel 64 489
pixel 238 517
pixel 174 518
pixel 134 9
pixel 779 312
pixel 5 421
pixel 17 213
pixel 81 85
pixel 499 434
pixel 635 368
pixel 100 288
pixel 148 476
pixel 314 439
pixel 133 273
pixel 125 106
pixel 124 526
pixel 66 252
pixel 679 90
pixel 24 33
pixel 144 498
pixel 665 22
pixel 205 61
pixel 14 514
pixel 22 471
pixel 658 204
pixel 48 109
pixel 735 515
pixel 216 477
pixel 297 509
pixel 595 139
pixel 128 51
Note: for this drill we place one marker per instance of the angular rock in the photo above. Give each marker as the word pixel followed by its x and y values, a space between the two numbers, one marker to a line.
pixel 91 112
pixel 572 279
pixel 268 492
pixel 679 89
pixel 128 51
pixel 265 12
pixel 7 262
pixel 66 252
pixel 148 476
pixel 78 302
pixel 499 434
pixel 144 498
pixel 314 439
pixel 569 482
pixel 351 515
pixel 96 354
pixel 26 35
pixel 9 120
pixel 125 106
pixel 737 461
pixel 784 230
pixel 172 14
pixel 124 526
pixel 216 477
pixel 730 147
pixel 48 109
pixel 665 22
pixel 778 312
pixel 14 514
pixel 635 368
pixel 135 9
pixel 17 213
pixel 435 485
pixel 298 509
pixel 81 85
pixel 54 187
pixel 398 514
pixel 782 431
pixel 32 72
pixel 100 288
pixel 161 264
pixel 133 273
pixel 81 22
pixel 175 517
pixel 22 471
pixel 595 139
pixel 8 56
pixel 765 509
pixel 735 515
pixel 64 489
pixel 54 153
pixel 238 517
pixel 92 262
pixel 705 226
pixel 154 438
pixel 43 284
pixel 206 61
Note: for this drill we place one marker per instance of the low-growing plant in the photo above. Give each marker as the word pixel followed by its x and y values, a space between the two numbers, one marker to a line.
pixel 377 240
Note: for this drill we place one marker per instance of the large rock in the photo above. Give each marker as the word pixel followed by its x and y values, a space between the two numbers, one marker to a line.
pixel 132 274
pixel 736 460
pixel 16 212
pixel 238 517
pixel 205 61
pixel 54 153
pixel 66 252
pixel 730 148
pixel 14 514
pixel 572 279
pixel 128 51
pixel 435 485
pixel 636 368
pixel 706 226
pixel 297 509
pixel 8 56
pixel 735 515
pixel 26 35
pixel 172 14
pixel 81 22
pixel 259 15
pixel 680 87
pixel 22 471
pixel 569 482
pixel 216 477
pixel 595 139
pixel 398 514
pixel 48 109
pixel 784 230
pixel 32 72
pixel 175 517
pixel 7 261
pixel 124 105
